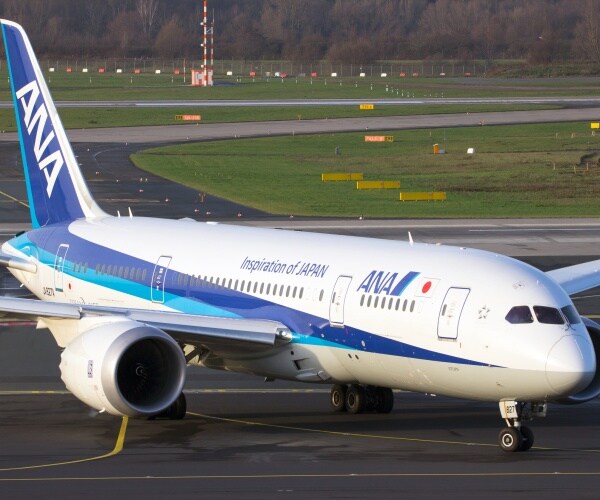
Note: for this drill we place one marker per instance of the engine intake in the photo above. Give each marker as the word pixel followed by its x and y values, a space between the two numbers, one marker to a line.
pixel 124 367
pixel 593 389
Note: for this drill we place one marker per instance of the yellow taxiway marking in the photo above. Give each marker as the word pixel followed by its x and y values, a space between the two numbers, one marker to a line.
pixel 371 436
pixel 14 199
pixel 334 433
pixel 115 451
pixel 187 391
pixel 315 476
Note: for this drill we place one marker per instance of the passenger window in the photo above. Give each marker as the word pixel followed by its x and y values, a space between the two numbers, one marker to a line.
pixel 301 292
pixel 144 275
pixel 383 303
pixel 369 300
pixel 412 306
pixel 321 295
pixel 405 304
pixel 397 304
pixel 519 315
pixel 376 301
pixel 362 300
pixel 571 314
pixel 548 315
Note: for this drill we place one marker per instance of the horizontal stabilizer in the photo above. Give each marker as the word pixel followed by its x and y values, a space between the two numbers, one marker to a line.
pixel 17 263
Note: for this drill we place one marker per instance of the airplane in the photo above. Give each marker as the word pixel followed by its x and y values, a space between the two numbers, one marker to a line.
pixel 133 301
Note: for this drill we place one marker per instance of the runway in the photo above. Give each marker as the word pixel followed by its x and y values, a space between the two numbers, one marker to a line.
pixel 587 101
pixel 246 438
pixel 207 131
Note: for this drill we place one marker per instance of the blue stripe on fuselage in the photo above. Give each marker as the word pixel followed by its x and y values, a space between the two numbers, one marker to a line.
pixel 212 300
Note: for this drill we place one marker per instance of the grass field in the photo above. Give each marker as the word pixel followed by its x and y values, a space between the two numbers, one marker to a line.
pixel 95 86
pixel 516 171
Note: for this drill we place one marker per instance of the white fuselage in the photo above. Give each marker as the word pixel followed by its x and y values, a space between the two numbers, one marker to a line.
pixel 412 316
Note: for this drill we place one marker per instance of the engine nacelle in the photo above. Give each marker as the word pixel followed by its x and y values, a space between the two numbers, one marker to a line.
pixel 124 367
pixel 593 389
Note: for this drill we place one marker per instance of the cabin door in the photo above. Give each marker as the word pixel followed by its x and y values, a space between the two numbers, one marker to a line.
pixel 450 312
pixel 159 276
pixel 338 298
pixel 59 267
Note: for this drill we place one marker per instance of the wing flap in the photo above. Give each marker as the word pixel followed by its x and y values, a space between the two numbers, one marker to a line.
pixel 209 331
pixel 577 278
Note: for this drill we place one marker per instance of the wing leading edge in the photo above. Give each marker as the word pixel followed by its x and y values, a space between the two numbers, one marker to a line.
pixel 210 331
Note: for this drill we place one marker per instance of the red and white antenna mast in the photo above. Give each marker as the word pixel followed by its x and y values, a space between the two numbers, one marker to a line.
pixel 207 71
pixel 205 45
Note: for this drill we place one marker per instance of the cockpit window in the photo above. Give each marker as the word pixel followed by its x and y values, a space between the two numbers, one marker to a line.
pixel 519 315
pixel 571 315
pixel 548 315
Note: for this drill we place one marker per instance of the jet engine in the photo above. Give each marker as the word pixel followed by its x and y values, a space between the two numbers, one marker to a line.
pixel 124 367
pixel 593 389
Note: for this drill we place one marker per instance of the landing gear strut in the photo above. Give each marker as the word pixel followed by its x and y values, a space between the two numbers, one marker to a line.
pixel 516 436
pixel 360 398
pixel 176 411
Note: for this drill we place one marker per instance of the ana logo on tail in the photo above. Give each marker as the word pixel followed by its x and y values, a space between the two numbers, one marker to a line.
pixel 28 96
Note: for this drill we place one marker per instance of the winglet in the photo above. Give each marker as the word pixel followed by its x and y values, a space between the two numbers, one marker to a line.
pixel 55 186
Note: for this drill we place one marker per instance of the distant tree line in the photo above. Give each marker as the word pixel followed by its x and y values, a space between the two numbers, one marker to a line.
pixel 349 31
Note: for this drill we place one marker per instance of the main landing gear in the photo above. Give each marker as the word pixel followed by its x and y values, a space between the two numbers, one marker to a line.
pixel 176 411
pixel 516 436
pixel 357 398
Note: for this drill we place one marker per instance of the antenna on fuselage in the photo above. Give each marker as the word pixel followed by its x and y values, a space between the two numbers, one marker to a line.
pixel 410 239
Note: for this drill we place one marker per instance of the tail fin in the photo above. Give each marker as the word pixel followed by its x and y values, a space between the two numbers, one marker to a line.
pixel 55 186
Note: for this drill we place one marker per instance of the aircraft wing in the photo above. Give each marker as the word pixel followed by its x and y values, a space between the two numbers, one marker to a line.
pixel 577 278
pixel 207 331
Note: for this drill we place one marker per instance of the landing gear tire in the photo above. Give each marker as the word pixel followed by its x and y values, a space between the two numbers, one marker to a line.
pixel 176 411
pixel 337 397
pixel 528 438
pixel 385 400
pixel 510 439
pixel 355 399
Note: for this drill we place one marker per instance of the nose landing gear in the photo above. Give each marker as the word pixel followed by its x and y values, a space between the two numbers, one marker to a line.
pixel 516 436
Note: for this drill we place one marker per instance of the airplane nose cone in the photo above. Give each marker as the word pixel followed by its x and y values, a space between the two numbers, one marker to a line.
pixel 571 365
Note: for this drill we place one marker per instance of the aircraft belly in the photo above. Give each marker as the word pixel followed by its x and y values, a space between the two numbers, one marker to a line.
pixel 476 382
